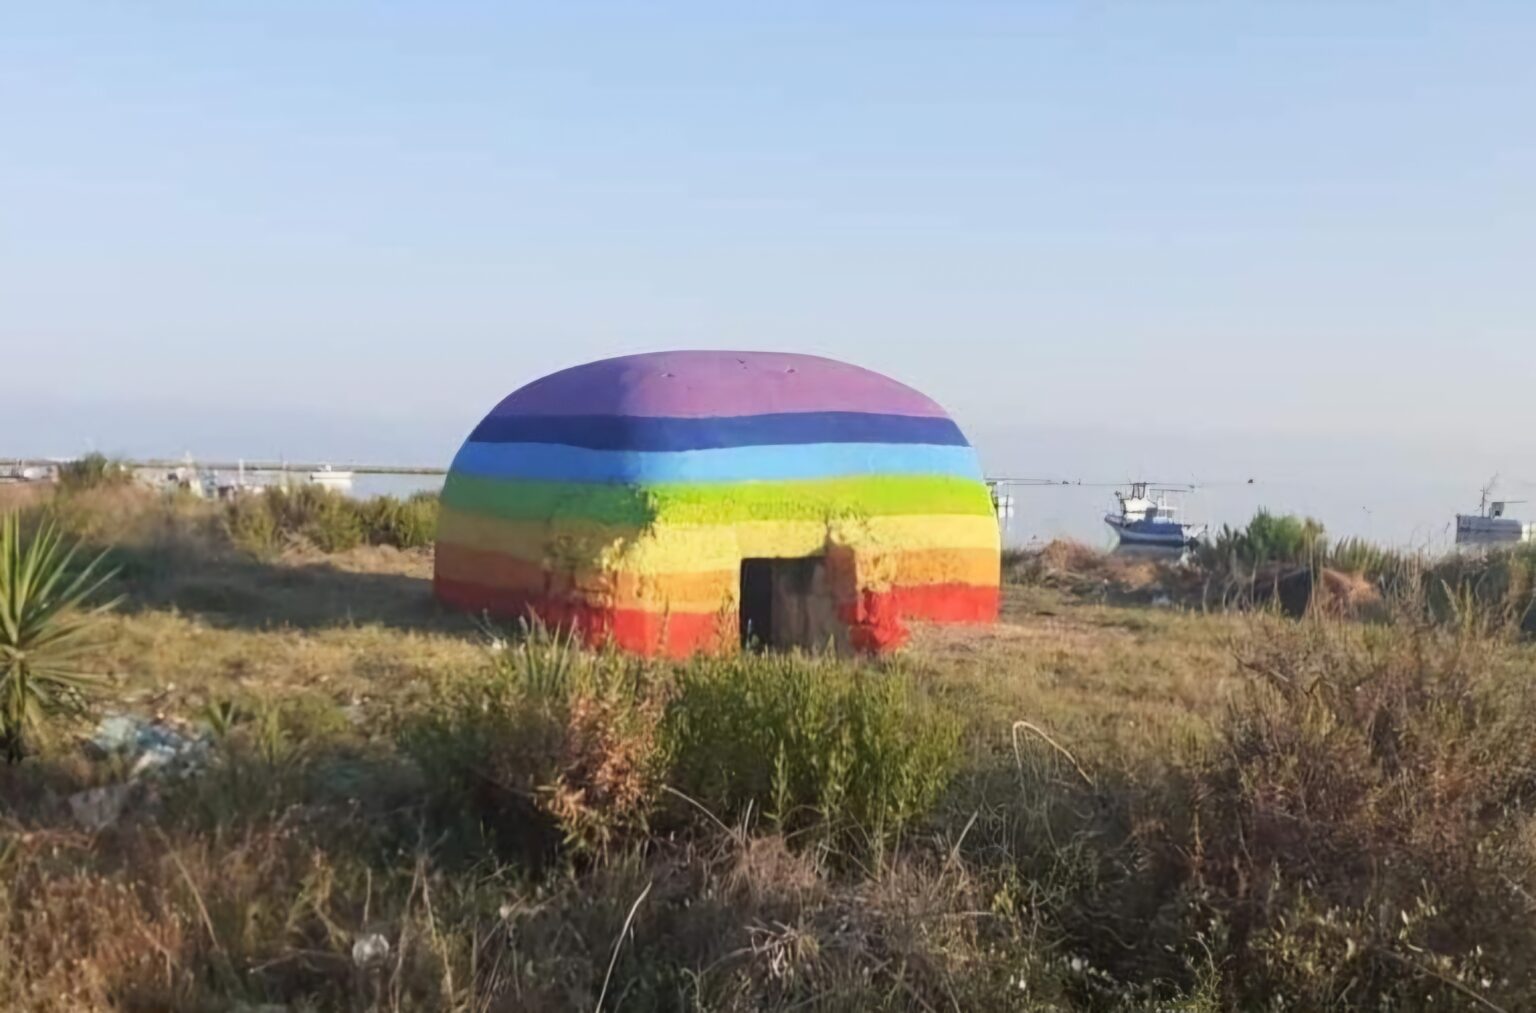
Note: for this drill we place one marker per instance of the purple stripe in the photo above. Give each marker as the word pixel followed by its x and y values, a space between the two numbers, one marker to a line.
pixel 706 384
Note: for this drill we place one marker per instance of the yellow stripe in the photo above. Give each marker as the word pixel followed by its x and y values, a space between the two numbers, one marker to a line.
pixel 664 548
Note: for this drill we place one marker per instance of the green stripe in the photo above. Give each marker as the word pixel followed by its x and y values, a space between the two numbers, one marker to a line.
pixel 817 499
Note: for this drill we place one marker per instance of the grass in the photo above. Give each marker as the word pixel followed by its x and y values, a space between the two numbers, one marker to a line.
pixel 1101 803
pixel 93 471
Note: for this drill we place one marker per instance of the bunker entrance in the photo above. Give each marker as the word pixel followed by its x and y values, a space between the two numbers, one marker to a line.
pixel 788 603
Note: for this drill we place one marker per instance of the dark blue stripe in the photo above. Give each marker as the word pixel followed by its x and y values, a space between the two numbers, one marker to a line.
pixel 634 432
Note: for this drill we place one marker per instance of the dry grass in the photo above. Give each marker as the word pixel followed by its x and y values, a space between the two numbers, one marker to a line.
pixel 23 495
pixel 1125 681
pixel 1155 809
pixel 1123 577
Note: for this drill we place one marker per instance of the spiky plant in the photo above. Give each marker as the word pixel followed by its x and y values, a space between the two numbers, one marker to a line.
pixel 47 627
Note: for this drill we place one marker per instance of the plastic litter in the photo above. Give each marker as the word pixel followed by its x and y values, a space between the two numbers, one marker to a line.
pixel 153 746
pixel 153 749
pixel 370 950
pixel 99 808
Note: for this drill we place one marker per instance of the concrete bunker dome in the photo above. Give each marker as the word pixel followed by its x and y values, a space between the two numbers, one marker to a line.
pixel 684 501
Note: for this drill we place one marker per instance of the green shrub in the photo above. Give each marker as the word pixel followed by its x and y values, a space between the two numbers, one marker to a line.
pixel 547 739
pixel 327 519
pixel 381 517
pixel 417 527
pixel 1355 555
pixel 408 524
pixel 1268 538
pixel 1364 824
pixel 93 471
pixel 1492 589
pixel 46 627
pixel 808 740
pixel 251 526
pixel 583 742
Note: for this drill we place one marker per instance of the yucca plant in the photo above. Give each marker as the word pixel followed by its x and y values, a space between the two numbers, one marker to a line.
pixel 47 626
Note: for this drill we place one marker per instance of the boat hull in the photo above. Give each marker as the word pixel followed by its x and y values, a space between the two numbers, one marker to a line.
pixel 1161 533
pixel 1472 529
pixel 339 480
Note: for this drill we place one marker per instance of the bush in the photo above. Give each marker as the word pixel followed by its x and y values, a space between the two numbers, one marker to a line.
pixel 327 519
pixel 93 471
pixel 809 740
pixel 583 742
pixel 547 738
pixel 1268 538
pixel 1365 824
pixel 1489 589
pixel 1355 555
pixel 411 524
pixel 251 526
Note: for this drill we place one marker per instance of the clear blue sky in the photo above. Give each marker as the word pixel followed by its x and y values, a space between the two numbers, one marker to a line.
pixel 1297 238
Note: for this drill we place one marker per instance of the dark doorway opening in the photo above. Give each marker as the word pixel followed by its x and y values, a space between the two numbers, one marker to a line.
pixel 757 602
pixel 786 603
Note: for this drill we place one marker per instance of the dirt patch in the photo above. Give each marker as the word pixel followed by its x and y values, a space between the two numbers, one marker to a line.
pixel 365 559
pixel 1083 571
pixel 1299 591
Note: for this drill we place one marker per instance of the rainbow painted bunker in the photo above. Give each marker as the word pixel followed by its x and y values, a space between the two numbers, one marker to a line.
pixel 686 501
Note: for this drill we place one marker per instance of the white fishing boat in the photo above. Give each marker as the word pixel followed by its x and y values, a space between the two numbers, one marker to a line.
pixel 1144 520
pixel 1492 525
pixel 329 478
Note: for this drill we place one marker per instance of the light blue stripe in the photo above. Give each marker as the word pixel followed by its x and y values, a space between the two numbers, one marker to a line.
pixel 551 462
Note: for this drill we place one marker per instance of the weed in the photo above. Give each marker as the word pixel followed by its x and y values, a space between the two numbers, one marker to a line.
pixel 1087 806
pixel 1364 820
pixel 252 527
pixel 809 740
pixel 407 524
pixel 549 732
pixel 324 517
pixel 93 471
pixel 1267 539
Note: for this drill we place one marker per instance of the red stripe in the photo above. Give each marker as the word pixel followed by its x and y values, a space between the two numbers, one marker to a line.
pixel 874 619
pixel 947 603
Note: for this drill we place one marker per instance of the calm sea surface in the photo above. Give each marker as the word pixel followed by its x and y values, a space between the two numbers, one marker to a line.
pixel 1405 514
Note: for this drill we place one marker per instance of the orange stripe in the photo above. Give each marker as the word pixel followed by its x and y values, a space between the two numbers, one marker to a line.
pixel 910 567
pixel 668 634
